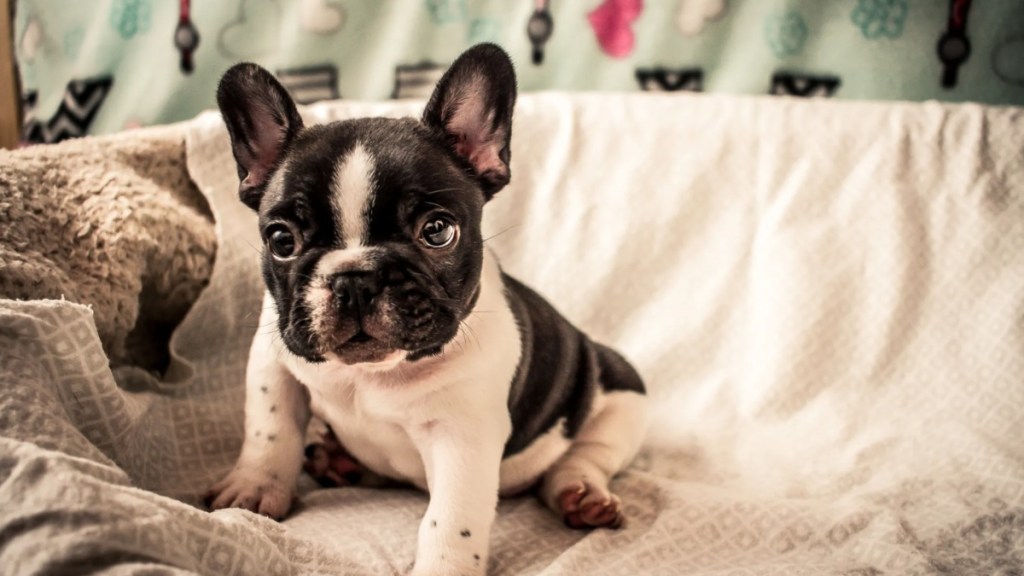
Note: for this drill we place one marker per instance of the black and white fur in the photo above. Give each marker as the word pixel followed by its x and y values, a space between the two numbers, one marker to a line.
pixel 398 328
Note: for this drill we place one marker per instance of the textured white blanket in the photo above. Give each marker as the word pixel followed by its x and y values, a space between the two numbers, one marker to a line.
pixel 825 299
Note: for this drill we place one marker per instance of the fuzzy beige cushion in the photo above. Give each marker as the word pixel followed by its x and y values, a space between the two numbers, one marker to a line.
pixel 111 222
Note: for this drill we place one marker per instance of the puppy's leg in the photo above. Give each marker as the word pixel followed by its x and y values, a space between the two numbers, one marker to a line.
pixel 276 413
pixel 461 458
pixel 576 486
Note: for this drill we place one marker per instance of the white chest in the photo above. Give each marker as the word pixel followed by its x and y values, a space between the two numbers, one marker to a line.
pixel 372 409
pixel 369 430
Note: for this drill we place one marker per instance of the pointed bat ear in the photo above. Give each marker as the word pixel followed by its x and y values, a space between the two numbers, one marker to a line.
pixel 472 105
pixel 262 121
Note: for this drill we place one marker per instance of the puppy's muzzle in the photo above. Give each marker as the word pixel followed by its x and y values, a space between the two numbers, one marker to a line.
pixel 354 291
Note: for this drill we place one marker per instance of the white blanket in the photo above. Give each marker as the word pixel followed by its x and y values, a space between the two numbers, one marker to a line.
pixel 825 299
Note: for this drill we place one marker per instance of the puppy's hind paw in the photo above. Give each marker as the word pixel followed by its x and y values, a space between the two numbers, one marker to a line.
pixel 584 506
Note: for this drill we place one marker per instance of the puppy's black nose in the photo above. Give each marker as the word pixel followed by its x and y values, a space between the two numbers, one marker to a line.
pixel 355 290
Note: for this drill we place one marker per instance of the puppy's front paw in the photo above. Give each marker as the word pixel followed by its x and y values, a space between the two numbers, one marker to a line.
pixel 452 561
pixel 255 490
pixel 447 570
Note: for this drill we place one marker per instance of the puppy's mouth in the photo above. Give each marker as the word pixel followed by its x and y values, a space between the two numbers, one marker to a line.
pixel 360 338
pixel 381 339
pixel 356 343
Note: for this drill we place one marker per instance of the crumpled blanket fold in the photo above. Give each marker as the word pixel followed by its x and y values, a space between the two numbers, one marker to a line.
pixel 115 222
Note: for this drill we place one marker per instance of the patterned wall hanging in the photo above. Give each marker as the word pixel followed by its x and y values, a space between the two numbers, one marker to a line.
pixel 81 102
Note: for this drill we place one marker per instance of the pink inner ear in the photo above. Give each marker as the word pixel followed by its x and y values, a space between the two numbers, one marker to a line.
pixel 477 141
pixel 482 155
pixel 267 139
pixel 254 178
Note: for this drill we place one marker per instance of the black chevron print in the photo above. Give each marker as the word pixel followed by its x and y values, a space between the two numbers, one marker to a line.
pixel 82 100
pixel 670 80
pixel 790 84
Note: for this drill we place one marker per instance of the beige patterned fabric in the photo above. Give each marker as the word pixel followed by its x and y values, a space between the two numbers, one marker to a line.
pixel 826 300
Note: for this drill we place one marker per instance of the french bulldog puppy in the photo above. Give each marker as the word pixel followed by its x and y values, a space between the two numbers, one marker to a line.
pixel 398 328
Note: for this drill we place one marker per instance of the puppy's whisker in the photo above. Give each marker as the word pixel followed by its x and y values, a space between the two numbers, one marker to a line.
pixel 470 332
pixel 259 250
pixel 439 191
pixel 444 300
pixel 492 236
pixel 263 329
pixel 250 323
pixel 463 338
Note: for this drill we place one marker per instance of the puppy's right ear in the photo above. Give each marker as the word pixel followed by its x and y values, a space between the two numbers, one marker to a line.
pixel 262 121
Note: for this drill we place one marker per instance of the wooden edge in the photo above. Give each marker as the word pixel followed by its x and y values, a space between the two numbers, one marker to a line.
pixel 10 122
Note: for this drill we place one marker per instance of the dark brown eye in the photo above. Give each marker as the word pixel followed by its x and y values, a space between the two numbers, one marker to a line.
pixel 282 242
pixel 438 232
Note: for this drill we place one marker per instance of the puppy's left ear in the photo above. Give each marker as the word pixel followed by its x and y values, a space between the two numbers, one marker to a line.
pixel 472 105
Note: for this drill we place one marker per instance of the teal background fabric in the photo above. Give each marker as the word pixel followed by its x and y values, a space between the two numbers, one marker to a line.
pixel 100 66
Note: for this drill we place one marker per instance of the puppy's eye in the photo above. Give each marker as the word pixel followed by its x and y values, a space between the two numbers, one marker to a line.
pixel 282 241
pixel 438 232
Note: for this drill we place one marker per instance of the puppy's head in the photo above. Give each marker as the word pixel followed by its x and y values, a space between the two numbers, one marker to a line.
pixel 371 227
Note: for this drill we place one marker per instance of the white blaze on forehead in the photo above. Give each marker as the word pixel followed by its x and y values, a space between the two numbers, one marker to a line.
pixel 352 195
pixel 345 260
